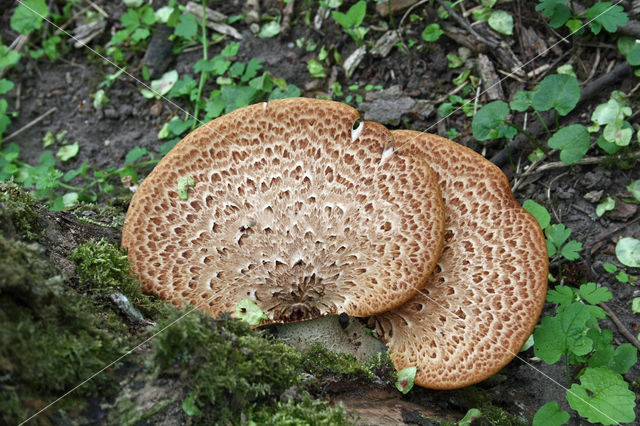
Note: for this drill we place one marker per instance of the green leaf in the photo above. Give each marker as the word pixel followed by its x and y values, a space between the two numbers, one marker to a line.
pixel 605 205
pixel 163 85
pixel 471 415
pixel 316 69
pixel 230 50
pixel 556 10
pixel 354 16
pixel 291 91
pixel 606 113
pixel 539 212
pixel 628 252
pixel 635 305
pixel 609 267
pixel 558 91
pixel 187 26
pixel 236 97
pixel 501 21
pixel 252 69
pixel 558 234
pixel 606 146
pixel 602 397
pixel 573 142
pixel 603 14
pixel 550 414
pixel 8 57
pixel 521 101
pixel 432 32
pixel 189 405
pixel 5 86
pixel 29 16
pixel 624 357
pixel 563 333
pixel 405 378
pixel 561 295
pixel 489 119
pixel 593 294
pixel 634 189
pixel 184 183
pixel 217 65
pixel 270 29
pixel 571 250
pixel 249 312
pixel 67 152
pixel 134 155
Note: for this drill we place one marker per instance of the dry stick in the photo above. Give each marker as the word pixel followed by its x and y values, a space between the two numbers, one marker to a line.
pixel 468 27
pixel 621 328
pixel 31 124
pixel 590 91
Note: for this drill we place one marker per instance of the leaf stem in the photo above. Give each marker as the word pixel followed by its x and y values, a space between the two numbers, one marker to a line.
pixel 528 136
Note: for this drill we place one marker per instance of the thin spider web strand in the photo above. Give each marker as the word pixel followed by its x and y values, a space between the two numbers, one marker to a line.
pixel 226 139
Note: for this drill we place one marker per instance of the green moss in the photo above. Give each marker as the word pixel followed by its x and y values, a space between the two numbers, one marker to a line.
pixel 233 368
pixel 104 267
pixel 18 213
pixel 306 412
pixel 321 362
pixel 109 215
pixel 476 397
pixel 50 340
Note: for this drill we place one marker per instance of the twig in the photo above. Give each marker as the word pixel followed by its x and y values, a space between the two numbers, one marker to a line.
pixel 607 234
pixel 31 124
pixel 468 27
pixel 621 328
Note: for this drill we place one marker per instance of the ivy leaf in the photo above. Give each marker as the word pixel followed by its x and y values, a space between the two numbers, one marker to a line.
pixel 593 294
pixel 489 119
pixel 573 142
pixel 602 397
pixel 405 379
pixel 558 91
pixel 550 414
pixel 249 312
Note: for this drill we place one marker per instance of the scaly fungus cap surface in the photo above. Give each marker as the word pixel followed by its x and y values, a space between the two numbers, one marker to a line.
pixel 294 208
pixel 484 299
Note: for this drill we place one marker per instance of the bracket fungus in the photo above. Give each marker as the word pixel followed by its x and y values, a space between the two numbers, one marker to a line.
pixel 290 205
pixel 484 299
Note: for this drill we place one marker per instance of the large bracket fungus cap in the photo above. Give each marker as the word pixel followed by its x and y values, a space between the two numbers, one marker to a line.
pixel 484 299
pixel 293 207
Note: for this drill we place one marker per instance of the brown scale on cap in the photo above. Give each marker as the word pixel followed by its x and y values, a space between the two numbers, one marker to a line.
pixel 292 208
pixel 484 299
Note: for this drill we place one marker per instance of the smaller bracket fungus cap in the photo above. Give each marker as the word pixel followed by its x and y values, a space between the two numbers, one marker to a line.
pixel 483 300
pixel 294 204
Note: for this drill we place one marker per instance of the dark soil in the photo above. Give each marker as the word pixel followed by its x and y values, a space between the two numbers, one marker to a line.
pixel 129 121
